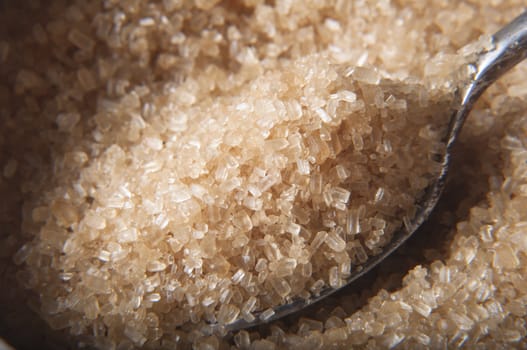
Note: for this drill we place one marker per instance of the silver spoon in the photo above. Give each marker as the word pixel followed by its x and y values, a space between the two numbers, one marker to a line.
pixel 508 48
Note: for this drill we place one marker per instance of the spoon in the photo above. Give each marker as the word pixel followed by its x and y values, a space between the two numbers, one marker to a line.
pixel 507 48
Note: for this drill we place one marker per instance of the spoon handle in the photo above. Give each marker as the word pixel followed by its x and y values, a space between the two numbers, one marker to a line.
pixel 509 47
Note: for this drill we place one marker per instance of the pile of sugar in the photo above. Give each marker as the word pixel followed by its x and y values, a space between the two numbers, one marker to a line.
pixel 209 161
pixel 233 204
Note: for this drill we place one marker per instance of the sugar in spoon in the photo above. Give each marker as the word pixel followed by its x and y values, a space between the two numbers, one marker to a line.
pixel 506 49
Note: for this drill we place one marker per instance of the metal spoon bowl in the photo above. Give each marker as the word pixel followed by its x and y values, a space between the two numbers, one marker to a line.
pixel 507 48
